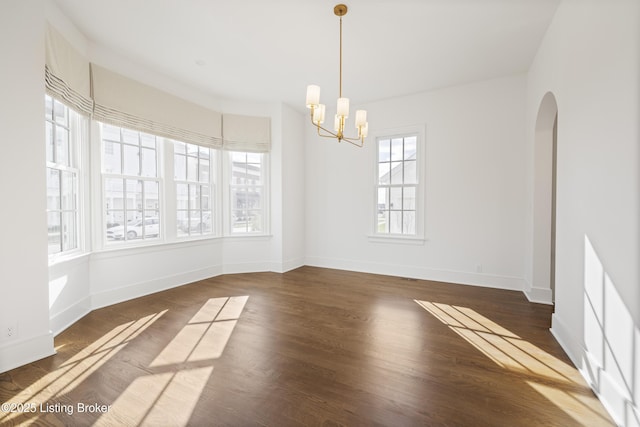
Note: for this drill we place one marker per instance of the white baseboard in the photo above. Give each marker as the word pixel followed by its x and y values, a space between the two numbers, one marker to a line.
pixel 413 272
pixel 70 315
pixel 114 296
pixel 291 264
pixel 565 338
pixel 23 351
pixel 539 295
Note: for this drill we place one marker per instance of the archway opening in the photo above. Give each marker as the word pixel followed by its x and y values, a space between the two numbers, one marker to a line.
pixel 544 199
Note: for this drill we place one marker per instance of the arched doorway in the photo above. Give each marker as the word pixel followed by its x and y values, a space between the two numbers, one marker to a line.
pixel 544 197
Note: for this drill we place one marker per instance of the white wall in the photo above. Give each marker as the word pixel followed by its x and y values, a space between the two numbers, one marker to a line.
pixel 590 61
pixel 293 189
pixel 474 189
pixel 23 246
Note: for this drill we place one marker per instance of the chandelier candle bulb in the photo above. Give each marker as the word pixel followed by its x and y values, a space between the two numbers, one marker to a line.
pixel 361 118
pixel 313 95
pixel 343 107
pixel 364 130
pixel 318 114
pixel 336 123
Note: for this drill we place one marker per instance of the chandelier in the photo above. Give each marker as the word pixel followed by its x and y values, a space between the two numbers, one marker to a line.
pixel 318 110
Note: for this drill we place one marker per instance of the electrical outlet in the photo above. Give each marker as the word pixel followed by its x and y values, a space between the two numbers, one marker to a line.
pixel 478 268
pixel 9 331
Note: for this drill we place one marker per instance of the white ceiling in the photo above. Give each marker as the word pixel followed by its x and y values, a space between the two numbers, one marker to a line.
pixel 270 50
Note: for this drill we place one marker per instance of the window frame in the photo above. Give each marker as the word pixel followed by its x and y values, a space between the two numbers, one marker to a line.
pixel 212 184
pixel 77 128
pixel 228 194
pixel 387 237
pixel 101 231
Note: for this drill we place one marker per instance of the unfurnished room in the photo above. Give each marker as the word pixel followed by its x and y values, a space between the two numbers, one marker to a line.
pixel 314 213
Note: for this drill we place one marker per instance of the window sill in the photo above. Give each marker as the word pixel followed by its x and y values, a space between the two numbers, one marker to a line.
pixel 397 239
pixel 247 237
pixel 74 257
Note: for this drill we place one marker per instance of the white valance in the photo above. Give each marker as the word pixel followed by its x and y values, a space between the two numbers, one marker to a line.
pixel 246 133
pixel 67 76
pixel 121 101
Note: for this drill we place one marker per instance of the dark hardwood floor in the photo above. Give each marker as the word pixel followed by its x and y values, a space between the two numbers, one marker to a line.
pixel 309 347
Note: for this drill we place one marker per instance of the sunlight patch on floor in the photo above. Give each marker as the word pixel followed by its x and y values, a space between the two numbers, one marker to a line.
pixel 170 393
pixel 79 367
pixel 556 380
pixel 206 335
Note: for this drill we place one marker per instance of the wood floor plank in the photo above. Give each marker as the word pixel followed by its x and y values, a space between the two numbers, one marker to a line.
pixel 309 347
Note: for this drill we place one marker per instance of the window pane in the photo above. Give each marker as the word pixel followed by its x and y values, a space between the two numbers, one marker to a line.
pixel 179 147
pixel 395 222
pixel 254 174
pixel 396 149
pixel 192 168
pixel 112 157
pixel 239 173
pixel 152 224
pixel 151 195
pixel 182 218
pixel 384 150
pixel 383 199
pixel 130 136
pixel 60 113
pixel 204 197
pixel 384 177
pixel 62 146
pixel 383 222
pixel 69 239
pixel 254 158
pixel 68 191
pixel 53 189
pixel 180 167
pixel 395 198
pixel 203 171
pixel 48 107
pixel 238 198
pixel 410 172
pixel 49 141
pixel 409 222
pixel 194 196
pixel 134 226
pixel 410 144
pixel 147 140
pixel 396 173
pixel 115 218
pixel 238 157
pixel 239 220
pixel 111 133
pixel 114 193
pixel 116 224
pixel 409 199
pixel 207 226
pixel 131 160
pixel 254 221
pixel 182 196
pixel 149 162
pixel 53 224
pixel 254 198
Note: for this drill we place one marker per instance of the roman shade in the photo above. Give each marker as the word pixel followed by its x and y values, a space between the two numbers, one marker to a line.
pixel 67 76
pixel 246 133
pixel 121 101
